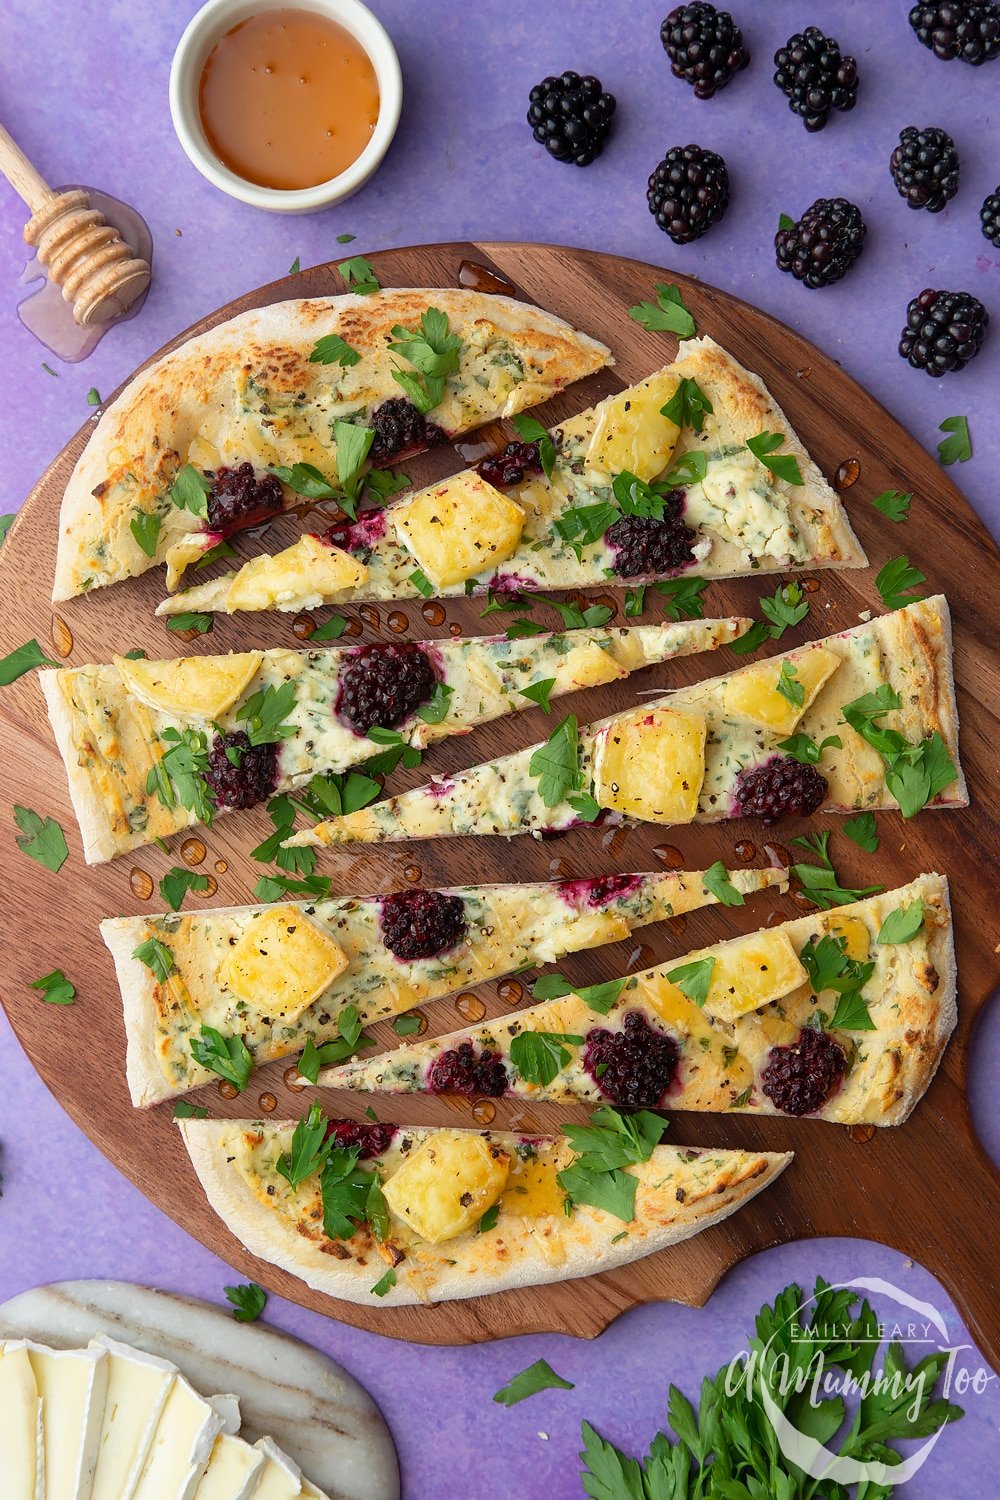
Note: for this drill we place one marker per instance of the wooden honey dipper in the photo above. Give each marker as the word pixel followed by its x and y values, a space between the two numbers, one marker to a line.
pixel 98 272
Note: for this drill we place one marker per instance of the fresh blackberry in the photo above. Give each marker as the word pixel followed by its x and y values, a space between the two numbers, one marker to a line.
pixel 571 117
pixel 814 75
pixel 944 330
pixel 250 780
pixel 384 684
pixel 510 466
pixel 705 46
pixel 373 1139
pixel 643 545
pixel 800 1078
pixel 822 246
pixel 422 924
pixel 969 29
pixel 465 1071
pixel 239 499
pixel 780 788
pixel 400 428
pixel 989 217
pixel 925 167
pixel 688 192
pixel 632 1067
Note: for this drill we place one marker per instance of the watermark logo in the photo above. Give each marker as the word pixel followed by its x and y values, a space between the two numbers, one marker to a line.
pixel 795 1386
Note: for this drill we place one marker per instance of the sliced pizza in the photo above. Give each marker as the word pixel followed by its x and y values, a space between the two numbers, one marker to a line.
pixel 842 1015
pixel 279 978
pixel 151 747
pixel 297 399
pixel 677 474
pixel 396 1215
pixel 863 719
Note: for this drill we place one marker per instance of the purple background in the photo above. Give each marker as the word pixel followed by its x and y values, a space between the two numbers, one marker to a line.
pixel 85 94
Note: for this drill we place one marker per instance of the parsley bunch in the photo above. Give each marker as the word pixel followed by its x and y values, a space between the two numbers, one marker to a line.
pixel 433 352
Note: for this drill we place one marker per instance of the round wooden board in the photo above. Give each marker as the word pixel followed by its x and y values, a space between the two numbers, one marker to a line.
pixel 927 1188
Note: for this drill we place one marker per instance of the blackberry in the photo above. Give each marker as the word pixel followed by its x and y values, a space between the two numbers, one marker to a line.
pixel 633 1067
pixel 822 246
pixel 925 167
pixel 400 428
pixel 705 46
pixel 969 29
pixel 989 217
pixel 643 545
pixel 814 75
pixel 372 1138
pixel 251 780
pixel 239 499
pixel 510 466
pixel 464 1071
pixel 944 330
pixel 688 192
pixel 422 924
pixel 384 684
pixel 571 117
pixel 780 788
pixel 800 1078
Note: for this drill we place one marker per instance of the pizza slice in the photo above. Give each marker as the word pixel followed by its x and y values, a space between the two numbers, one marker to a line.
pixel 841 1015
pixel 396 1215
pixel 274 979
pixel 693 470
pixel 151 747
pixel 863 719
pixel 292 400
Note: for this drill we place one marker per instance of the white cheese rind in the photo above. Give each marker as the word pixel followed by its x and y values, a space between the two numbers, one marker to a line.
pixel 72 1386
pixel 21 1449
pixel 280 1478
pixel 181 1446
pixel 138 1387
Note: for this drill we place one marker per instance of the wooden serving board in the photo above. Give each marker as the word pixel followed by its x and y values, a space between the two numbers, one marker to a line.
pixel 927 1189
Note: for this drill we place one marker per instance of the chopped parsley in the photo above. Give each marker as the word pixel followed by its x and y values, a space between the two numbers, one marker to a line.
pixel 556 764
pixel 782 465
pixel 829 969
pixel 599 997
pixel 227 1056
pixel 305 479
pixel 179 774
pixel 264 714
pixel 331 629
pixel 787 606
pixel 806 751
pixel 694 979
pixel 248 1301
pixel 538 692
pixel 666 315
pixel 434 711
pixel 608 1143
pixel 309 1149
pixel 190 619
pixel 145 527
pixel 359 275
pixel 432 351
pixel 716 880
pixel 820 882
pixel 530 430
pixel 537 1377
pixel 893 581
pixel 538 1056
pixel 421 583
pixel 683 597
pixel 915 774
pixel 157 957
pixel 862 830
pixel 688 406
pixel 190 491
pixel 903 924
pixel 789 686
pixel 177 882
pixel 957 447
pixel 23 660
pixel 55 987
pixel 331 349
pixel 185 1110
pixel 895 504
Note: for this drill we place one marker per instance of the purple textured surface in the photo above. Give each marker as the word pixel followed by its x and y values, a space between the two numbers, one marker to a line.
pixel 86 97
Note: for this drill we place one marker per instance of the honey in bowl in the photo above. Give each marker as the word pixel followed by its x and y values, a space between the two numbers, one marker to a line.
pixel 288 99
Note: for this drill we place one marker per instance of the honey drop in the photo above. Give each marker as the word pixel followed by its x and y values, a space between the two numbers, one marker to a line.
pixel 433 613
pixel 641 957
pixel 370 615
pixel 397 622
pixel 353 627
pixel 412 873
pixel 193 851
pixel 810 585
pixel 846 475
pixel 560 869
pixel 669 855
pixel 774 919
pixel 510 991
pixel 678 924
pixel 777 854
pixel 803 902
pixel 268 1103
pixel 62 637
pixel 303 626
pixel 745 851
pixel 294 1080
pixel 861 1134
pixel 454 629
pixel 227 1090
pixel 210 888
pixel 470 1008
pixel 482 279
pixel 221 867
pixel 141 884
pixel 484 1111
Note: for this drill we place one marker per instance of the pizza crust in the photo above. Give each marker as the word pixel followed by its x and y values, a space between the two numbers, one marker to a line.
pixel 581 1245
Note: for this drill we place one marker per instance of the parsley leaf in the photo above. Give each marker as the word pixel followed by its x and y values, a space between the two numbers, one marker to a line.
pixel 688 405
pixel 359 275
pixel 788 606
pixel 177 882
pixel 6 522
pixel 406 1025
pixel 41 839
pixel 820 882
pixel 190 491
pixel 157 957
pixel 145 527
pixel 789 686
pixel 433 352
pixel 277 887
pixel 782 465
pixel 178 776
pixel 489 1219
pixel 55 987
pixel 345 239
pixel 383 482
pixel 586 807
pixel 635 601
pixel 903 924
pixel 345 1188
pixel 185 1110
pixel 226 1055
pixel 694 979
pixel 690 468
pixel 893 503
pixel 530 430
pixel 23 660
pixel 248 1301
pixel 537 1377
pixel 861 830
pixel 716 879
pixel 806 751
pixel 305 479
pixel 852 1013
pixel 437 708
pixel 599 997
pixel 683 597
pixel 539 1055
pixel 264 713
pixel 666 315
pixel 752 639
pixel 331 349
pixel 353 444
pixel 522 628
pixel 572 616
pixel 421 583
pixel 215 554
pixel 331 629
pixel 384 1283
pixel 93 396
pixel 190 619
pixel 538 692
pixel 609 1142
pixel 957 447
pixel 309 1149
pixel 896 576
pixel 556 764
pixel 295 267
pixel 915 774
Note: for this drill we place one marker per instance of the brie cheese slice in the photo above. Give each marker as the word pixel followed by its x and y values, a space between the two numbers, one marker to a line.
pixel 233 1470
pixel 181 1447
pixel 72 1386
pixel 138 1387
pixel 280 1478
pixel 21 1453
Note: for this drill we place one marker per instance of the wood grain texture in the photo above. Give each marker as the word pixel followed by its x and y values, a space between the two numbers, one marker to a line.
pixel 927 1189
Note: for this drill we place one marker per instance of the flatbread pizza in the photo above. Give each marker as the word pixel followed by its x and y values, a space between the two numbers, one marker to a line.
pixel 621 493
pixel 272 389
pixel 864 719
pixel 152 747
pixel 394 1216
pixel 280 977
pixel 842 1016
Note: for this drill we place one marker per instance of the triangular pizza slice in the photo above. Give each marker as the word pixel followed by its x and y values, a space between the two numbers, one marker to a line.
pixel 842 1015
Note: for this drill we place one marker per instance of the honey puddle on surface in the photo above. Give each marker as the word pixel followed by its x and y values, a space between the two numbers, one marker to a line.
pixel 288 99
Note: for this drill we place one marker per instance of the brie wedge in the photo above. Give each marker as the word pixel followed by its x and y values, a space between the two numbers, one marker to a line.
pixel 181 1447
pixel 72 1387
pixel 20 1425
pixel 233 1470
pixel 138 1387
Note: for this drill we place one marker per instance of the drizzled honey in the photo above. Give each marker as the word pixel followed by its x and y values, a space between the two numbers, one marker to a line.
pixel 288 99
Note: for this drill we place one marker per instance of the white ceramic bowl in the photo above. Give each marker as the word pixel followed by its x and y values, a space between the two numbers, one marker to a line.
pixel 212 22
